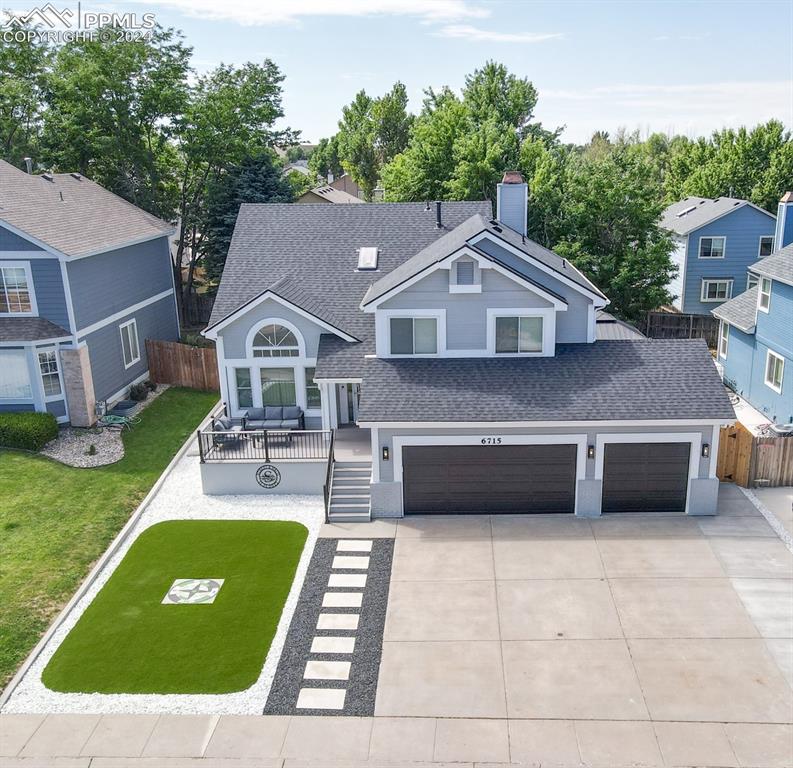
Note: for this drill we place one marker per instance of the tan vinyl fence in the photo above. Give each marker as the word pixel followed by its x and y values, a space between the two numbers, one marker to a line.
pixel 754 461
pixel 182 365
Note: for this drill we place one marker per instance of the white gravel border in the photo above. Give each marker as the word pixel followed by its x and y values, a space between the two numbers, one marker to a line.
pixel 179 498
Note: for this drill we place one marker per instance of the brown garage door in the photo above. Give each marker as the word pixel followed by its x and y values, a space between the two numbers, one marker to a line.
pixel 645 477
pixel 500 478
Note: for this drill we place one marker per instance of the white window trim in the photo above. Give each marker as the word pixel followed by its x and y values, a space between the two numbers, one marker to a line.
pixel 712 237
pixel 749 277
pixel 768 355
pixel 548 330
pixel 703 290
pixel 256 364
pixel 760 293
pixel 121 328
pixel 383 330
pixel 724 340
pixel 760 244
pixel 34 309
pixel 301 342
pixel 44 350
pixel 475 287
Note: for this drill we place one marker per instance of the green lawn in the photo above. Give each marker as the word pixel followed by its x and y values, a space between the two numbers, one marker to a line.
pixel 127 641
pixel 55 521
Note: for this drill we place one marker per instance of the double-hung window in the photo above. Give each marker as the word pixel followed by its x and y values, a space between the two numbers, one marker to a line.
pixel 764 295
pixel 774 370
pixel 712 247
pixel 414 335
pixel 242 378
pixel 517 335
pixel 724 340
pixel 313 399
pixel 716 290
pixel 50 375
pixel 752 280
pixel 129 343
pixel 766 246
pixel 16 296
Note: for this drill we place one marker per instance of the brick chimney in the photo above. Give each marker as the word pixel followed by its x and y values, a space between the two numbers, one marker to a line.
pixel 512 196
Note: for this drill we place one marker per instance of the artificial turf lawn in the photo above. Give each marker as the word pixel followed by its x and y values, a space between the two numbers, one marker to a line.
pixel 55 521
pixel 128 642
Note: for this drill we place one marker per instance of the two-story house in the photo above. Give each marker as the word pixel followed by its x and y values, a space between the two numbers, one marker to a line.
pixel 470 353
pixel 85 278
pixel 715 243
pixel 756 330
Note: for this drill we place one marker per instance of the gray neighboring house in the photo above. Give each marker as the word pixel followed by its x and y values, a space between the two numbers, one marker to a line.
pixel 472 356
pixel 85 279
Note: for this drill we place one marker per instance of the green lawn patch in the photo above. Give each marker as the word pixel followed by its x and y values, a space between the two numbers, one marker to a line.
pixel 127 641
pixel 55 521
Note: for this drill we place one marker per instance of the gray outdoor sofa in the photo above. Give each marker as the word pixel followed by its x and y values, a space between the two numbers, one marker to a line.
pixel 274 417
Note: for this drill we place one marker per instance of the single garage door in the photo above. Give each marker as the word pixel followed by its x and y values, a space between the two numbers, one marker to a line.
pixel 500 478
pixel 645 477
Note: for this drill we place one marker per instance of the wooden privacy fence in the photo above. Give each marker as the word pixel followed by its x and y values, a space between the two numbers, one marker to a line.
pixel 754 461
pixel 670 325
pixel 182 365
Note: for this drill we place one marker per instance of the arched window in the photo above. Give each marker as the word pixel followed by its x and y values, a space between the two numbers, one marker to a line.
pixel 274 340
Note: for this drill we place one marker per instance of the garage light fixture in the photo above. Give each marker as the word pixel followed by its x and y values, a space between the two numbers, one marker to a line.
pixel 385 453
pixel 590 452
pixel 705 450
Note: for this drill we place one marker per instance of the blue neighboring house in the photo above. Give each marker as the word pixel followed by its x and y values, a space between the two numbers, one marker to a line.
pixel 756 329
pixel 716 240
pixel 85 279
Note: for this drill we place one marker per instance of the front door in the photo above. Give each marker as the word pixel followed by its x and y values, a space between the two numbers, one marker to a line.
pixel 348 398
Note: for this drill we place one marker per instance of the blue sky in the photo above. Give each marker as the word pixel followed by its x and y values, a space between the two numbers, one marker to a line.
pixel 687 67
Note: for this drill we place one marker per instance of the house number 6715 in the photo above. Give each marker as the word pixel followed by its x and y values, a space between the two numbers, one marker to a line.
pixel 491 441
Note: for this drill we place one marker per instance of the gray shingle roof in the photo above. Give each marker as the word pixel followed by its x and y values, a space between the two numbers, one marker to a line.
pixel 333 195
pixel 740 311
pixel 72 215
pixel 29 329
pixel 339 359
pixel 777 266
pixel 614 380
pixel 317 247
pixel 694 212
pixel 610 328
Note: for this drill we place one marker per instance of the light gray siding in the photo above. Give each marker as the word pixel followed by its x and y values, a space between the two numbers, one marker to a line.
pixel 235 334
pixel 110 282
pixel 156 321
pixel 571 326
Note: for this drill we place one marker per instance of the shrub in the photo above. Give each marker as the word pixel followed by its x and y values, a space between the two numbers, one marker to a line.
pixel 29 431
pixel 91 450
pixel 138 392
pixel 196 340
pixel 150 385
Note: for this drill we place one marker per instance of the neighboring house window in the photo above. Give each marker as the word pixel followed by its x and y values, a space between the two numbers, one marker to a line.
pixel 129 343
pixel 766 246
pixel 50 375
pixel 774 370
pixel 275 341
pixel 313 399
pixel 14 375
pixel 515 335
pixel 752 281
pixel 716 290
pixel 242 377
pixel 711 247
pixel 414 336
pixel 724 340
pixel 764 295
pixel 278 386
pixel 15 291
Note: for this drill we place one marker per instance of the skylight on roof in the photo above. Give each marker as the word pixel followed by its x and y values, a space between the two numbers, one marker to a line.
pixel 367 258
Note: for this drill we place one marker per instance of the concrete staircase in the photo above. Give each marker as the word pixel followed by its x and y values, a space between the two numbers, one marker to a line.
pixel 350 499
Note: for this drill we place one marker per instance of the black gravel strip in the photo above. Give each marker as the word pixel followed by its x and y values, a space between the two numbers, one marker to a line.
pixel 362 685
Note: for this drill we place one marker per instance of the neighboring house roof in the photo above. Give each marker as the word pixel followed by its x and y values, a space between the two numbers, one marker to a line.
pixel 609 328
pixel 740 311
pixel 71 214
pixel 317 247
pixel 30 329
pixel 695 212
pixel 331 195
pixel 777 266
pixel 301 166
pixel 609 380
pixel 346 183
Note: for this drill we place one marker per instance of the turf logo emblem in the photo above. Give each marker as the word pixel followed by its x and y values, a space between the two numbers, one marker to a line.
pixel 193 592
pixel 268 476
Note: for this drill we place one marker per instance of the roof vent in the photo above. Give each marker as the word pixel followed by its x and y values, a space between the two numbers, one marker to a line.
pixel 76 176
pixel 367 258
pixel 686 211
pixel 46 176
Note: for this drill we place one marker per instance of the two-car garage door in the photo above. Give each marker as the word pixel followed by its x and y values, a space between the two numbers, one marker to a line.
pixel 454 479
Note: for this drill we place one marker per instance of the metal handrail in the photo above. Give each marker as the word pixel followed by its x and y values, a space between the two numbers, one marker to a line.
pixel 326 489
pixel 263 444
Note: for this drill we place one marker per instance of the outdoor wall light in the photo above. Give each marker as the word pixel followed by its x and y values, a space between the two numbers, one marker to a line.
pixel 590 452
pixel 385 453
pixel 705 450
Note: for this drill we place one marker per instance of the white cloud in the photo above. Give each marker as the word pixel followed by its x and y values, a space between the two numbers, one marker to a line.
pixel 265 12
pixel 477 35
pixel 689 108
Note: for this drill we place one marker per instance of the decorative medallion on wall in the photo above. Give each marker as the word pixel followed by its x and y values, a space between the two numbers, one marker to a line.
pixel 268 476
